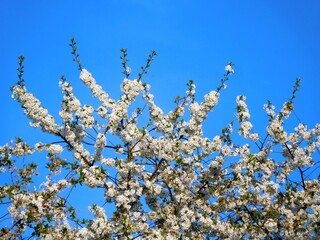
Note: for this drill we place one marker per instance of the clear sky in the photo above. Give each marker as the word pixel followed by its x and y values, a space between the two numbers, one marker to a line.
pixel 271 43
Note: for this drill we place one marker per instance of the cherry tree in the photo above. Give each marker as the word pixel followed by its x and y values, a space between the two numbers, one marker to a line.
pixel 158 175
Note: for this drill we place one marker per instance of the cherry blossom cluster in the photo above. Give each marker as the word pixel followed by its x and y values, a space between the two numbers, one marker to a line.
pixel 163 179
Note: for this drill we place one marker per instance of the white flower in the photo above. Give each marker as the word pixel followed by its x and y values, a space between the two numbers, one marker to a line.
pixel 254 137
pixel 121 200
pixel 108 161
pixel 229 69
pixel 55 149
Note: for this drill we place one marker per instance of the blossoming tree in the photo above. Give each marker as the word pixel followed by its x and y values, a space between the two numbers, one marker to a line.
pixel 163 179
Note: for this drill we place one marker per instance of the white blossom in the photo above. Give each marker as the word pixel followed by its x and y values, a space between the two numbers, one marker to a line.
pixel 158 174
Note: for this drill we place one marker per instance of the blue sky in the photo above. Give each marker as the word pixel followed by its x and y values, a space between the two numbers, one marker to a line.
pixel 271 43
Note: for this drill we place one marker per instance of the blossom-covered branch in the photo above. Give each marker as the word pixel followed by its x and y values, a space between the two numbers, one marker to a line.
pixel 159 178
